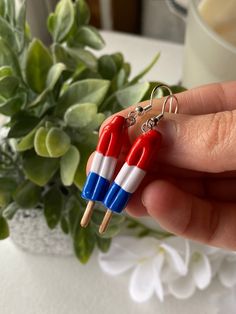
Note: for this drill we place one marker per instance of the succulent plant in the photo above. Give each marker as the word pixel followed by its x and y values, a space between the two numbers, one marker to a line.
pixel 55 99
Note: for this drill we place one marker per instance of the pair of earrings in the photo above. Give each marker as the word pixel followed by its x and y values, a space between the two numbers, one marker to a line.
pixel 98 186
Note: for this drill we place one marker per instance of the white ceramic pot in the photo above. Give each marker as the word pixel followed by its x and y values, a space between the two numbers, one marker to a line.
pixel 29 231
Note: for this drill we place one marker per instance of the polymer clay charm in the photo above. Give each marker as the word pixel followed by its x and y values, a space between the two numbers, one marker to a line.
pixel 103 164
pixel 98 187
pixel 138 161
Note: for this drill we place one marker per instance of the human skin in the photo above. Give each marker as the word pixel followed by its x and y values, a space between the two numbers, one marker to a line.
pixel 191 190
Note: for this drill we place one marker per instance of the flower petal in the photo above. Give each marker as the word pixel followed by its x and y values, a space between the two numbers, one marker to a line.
pixel 201 269
pixel 174 259
pixel 119 258
pixel 157 265
pixel 141 285
pixel 227 273
pixel 183 287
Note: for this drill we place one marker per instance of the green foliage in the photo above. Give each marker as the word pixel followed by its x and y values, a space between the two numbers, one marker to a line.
pixel 53 206
pixel 56 98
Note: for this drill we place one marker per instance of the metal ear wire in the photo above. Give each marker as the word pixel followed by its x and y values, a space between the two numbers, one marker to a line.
pixel 139 110
pixel 152 122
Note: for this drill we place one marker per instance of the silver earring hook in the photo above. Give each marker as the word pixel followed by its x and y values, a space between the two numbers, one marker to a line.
pixel 152 122
pixel 139 110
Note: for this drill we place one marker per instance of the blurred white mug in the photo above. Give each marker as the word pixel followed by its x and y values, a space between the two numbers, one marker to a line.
pixel 210 42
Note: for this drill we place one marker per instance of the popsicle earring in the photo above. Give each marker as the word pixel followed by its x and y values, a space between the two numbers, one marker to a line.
pixel 106 156
pixel 138 161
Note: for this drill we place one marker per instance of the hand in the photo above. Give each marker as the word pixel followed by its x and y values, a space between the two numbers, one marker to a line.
pixel 192 189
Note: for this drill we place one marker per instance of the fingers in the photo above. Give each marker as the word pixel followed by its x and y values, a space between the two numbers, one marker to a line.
pixel 200 100
pixel 189 216
pixel 202 143
pixel 198 142
pixel 214 189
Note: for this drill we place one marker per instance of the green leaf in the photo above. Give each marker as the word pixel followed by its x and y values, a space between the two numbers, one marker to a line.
pixel 8 57
pixel 5 198
pixel 177 89
pixel 112 231
pixel 40 99
pixel 7 184
pixel 60 55
pixel 61 22
pixel 119 81
pixel 115 220
pixel 68 165
pixel 84 243
pixel 90 90
pixel 5 71
pixel 57 142
pixel 73 208
pixel 107 67
pixel 145 71
pixel 21 26
pixel 118 58
pixel 27 142
pixel 80 115
pixel 7 187
pixel 4 229
pixel 95 123
pixel 8 33
pixel 10 11
pixel 86 148
pixel 13 105
pixel 8 86
pixel 132 94
pixel 39 169
pixel 65 225
pixel 10 210
pixel 89 36
pixel 22 124
pixel 40 142
pixel 38 64
pixel 2 8
pixel 160 92
pixel 27 195
pixel 54 74
pixel 103 244
pixel 82 12
pixel 53 206
pixel 83 55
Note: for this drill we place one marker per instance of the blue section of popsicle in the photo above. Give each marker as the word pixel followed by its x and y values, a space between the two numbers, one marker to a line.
pixel 95 187
pixel 117 198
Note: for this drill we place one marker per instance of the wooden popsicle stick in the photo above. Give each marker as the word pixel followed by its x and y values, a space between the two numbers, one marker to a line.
pixel 87 214
pixel 105 222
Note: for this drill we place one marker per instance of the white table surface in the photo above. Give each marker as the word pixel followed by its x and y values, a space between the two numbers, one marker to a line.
pixel 31 284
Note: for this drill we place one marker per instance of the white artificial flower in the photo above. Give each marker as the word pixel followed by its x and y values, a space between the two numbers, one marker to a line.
pixel 227 270
pixel 150 259
pixel 199 273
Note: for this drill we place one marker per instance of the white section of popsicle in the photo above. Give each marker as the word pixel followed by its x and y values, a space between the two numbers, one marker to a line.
pixel 103 166
pixel 129 178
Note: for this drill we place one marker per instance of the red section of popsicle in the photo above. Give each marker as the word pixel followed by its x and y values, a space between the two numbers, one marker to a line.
pixel 111 138
pixel 143 149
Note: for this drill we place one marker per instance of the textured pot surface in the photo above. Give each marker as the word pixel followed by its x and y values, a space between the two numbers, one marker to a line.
pixel 29 231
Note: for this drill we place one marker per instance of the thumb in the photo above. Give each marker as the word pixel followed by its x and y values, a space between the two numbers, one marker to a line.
pixel 202 143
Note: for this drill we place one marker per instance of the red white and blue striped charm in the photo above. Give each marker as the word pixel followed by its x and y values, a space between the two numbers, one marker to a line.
pixel 103 164
pixel 138 162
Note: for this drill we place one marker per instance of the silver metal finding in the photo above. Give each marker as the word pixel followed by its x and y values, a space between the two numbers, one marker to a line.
pixel 139 110
pixel 152 122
